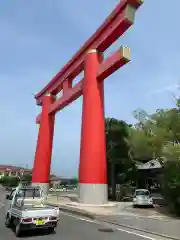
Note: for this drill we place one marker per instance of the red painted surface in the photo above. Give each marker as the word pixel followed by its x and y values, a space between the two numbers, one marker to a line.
pixel 113 27
pixel 92 167
pixel 42 162
pixel 107 67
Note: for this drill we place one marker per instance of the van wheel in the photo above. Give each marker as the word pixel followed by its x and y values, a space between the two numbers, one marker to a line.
pixel 8 221
pixel 18 230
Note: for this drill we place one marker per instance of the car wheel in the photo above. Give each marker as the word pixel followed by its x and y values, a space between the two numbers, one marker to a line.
pixel 18 230
pixel 8 221
pixel 51 230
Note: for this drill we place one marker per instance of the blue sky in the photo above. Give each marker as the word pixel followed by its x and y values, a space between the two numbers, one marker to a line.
pixel 38 37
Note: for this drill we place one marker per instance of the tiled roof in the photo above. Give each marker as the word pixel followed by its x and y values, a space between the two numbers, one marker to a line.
pixel 12 168
pixel 152 164
pixel 9 167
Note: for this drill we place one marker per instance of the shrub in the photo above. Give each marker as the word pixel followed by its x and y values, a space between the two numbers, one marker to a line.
pixel 9 181
pixel 170 185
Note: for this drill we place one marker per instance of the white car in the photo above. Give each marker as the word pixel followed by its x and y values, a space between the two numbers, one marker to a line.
pixel 142 197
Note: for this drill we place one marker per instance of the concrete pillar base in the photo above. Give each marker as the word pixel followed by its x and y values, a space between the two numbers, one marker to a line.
pixel 96 194
pixel 44 186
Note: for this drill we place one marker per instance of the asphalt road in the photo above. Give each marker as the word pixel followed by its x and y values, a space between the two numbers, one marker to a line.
pixel 74 228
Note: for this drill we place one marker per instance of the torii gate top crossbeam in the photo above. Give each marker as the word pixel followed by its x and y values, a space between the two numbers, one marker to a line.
pixel 114 26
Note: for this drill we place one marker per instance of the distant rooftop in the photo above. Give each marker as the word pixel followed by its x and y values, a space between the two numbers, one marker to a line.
pixel 2 166
pixel 152 164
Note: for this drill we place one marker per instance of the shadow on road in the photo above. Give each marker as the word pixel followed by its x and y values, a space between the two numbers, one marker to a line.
pixel 143 207
pixel 165 210
pixel 34 233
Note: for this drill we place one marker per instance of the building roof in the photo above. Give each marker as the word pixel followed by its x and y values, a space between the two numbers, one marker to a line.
pixel 58 178
pixel 152 164
pixel 4 168
pixel 8 168
pixel 55 179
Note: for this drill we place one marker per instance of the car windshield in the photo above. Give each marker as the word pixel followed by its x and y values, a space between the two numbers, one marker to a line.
pixel 142 193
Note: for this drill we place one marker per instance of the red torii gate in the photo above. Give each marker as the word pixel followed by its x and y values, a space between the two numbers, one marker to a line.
pixel 92 167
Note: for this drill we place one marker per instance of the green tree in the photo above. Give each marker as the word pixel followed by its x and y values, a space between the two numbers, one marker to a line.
pixel 141 116
pixel 140 145
pixel 169 121
pixel 74 181
pixel 117 147
pixel 170 184
pixel 9 181
pixel 26 178
pixel 158 135
pixel 148 136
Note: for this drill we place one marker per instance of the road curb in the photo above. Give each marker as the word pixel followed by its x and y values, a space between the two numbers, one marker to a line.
pixel 84 213
pixel 77 212
pixel 68 209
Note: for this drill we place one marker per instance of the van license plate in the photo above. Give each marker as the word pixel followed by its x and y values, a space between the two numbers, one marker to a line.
pixel 40 222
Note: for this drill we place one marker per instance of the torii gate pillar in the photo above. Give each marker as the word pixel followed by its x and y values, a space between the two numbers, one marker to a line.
pixel 42 161
pixel 92 169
